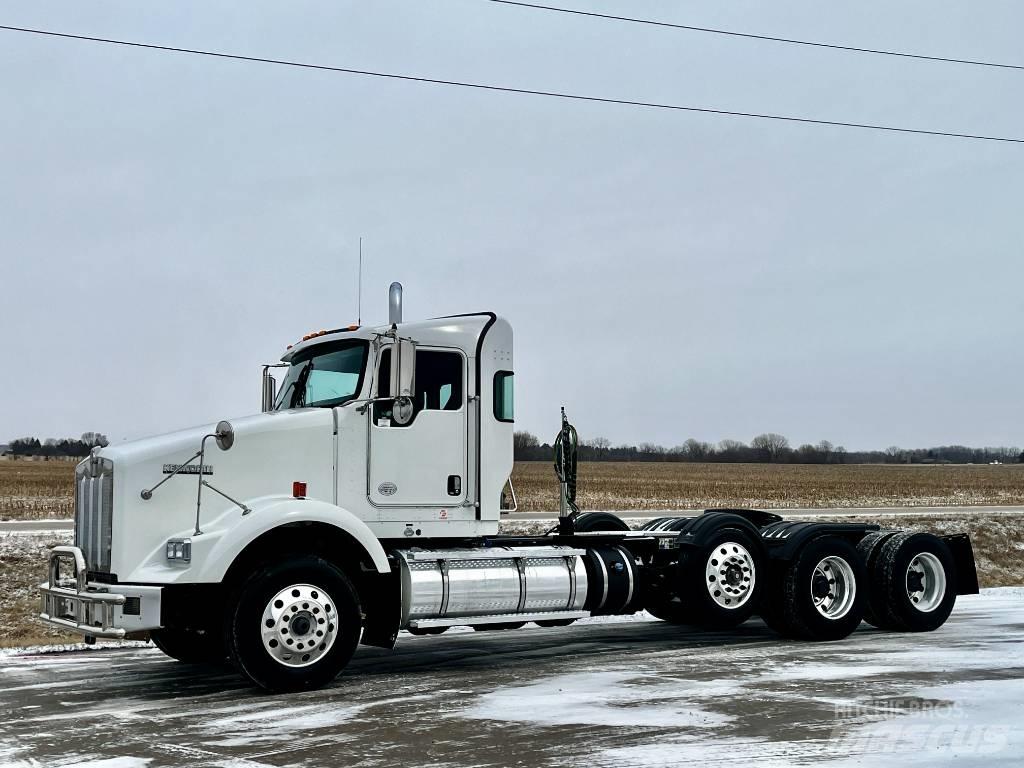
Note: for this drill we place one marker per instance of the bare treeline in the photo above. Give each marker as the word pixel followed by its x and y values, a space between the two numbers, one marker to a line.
pixel 53 447
pixel 765 448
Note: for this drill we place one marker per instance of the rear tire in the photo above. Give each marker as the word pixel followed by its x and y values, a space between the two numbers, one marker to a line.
pixel 913 583
pixel 295 624
pixel 191 646
pixel 820 594
pixel 720 583
pixel 868 549
pixel 670 612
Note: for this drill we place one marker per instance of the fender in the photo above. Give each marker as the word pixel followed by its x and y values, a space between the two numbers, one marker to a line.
pixel 272 512
pixel 697 530
pixel 785 539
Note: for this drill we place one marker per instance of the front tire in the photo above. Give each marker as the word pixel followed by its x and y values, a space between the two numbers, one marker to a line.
pixel 191 646
pixel 295 625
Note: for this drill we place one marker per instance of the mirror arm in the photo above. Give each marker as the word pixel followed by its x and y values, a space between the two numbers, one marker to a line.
pixel 367 402
pixel 245 510
pixel 147 493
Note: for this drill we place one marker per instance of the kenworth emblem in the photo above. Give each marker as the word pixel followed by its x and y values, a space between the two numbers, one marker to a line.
pixel 188 469
pixel 387 489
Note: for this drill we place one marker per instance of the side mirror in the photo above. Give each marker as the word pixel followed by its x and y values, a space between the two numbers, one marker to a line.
pixel 403 368
pixel 403 380
pixel 269 391
pixel 224 435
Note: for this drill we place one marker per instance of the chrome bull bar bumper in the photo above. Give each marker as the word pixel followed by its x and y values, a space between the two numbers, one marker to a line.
pixel 69 603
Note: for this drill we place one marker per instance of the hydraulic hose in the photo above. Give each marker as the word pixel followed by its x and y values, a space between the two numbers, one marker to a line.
pixel 566 454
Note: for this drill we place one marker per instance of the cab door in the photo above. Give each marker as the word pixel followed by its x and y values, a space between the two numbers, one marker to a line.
pixel 423 463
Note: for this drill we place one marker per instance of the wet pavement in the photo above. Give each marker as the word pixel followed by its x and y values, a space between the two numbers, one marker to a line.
pixel 601 693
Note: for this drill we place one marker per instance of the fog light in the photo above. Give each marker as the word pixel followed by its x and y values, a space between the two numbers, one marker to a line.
pixel 180 550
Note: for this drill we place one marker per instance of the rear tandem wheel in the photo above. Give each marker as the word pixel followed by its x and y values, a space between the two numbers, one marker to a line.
pixel 720 583
pixel 819 595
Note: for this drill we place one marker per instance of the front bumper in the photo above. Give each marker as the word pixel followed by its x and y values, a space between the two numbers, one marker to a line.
pixel 95 610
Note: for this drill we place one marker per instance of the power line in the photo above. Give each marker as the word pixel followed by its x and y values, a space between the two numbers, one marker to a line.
pixel 509 89
pixel 751 36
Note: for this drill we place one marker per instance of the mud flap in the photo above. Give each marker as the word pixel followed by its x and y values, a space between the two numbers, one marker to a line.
pixel 966 569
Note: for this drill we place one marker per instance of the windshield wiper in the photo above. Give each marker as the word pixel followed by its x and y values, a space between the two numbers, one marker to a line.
pixel 281 394
pixel 299 395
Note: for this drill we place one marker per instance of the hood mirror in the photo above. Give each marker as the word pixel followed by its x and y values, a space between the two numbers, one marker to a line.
pixel 224 435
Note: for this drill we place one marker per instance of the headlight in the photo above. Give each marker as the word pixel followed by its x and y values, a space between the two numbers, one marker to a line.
pixel 179 550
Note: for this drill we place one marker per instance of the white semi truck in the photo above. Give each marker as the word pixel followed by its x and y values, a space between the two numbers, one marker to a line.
pixel 365 499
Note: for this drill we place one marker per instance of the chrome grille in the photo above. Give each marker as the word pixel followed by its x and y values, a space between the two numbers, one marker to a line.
pixel 94 508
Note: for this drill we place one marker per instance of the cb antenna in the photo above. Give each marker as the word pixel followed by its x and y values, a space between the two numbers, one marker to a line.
pixel 359 319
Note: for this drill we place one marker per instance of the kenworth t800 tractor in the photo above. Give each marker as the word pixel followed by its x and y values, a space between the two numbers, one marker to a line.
pixel 366 497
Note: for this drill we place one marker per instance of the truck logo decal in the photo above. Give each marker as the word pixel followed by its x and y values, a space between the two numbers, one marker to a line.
pixel 188 469
pixel 387 489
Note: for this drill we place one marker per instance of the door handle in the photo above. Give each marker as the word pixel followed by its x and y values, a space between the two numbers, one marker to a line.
pixel 454 485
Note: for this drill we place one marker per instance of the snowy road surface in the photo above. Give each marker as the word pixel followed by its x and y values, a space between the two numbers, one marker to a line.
pixel 604 693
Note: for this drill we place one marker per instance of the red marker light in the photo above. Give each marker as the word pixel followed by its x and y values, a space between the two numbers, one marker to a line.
pixel 299 490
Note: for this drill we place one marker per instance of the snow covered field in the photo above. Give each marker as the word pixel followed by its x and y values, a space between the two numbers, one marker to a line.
pixel 607 692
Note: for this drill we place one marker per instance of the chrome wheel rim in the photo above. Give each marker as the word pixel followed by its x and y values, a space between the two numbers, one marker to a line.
pixel 729 575
pixel 833 587
pixel 926 582
pixel 299 625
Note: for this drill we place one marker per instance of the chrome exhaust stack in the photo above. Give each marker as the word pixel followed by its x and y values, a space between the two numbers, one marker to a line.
pixel 395 304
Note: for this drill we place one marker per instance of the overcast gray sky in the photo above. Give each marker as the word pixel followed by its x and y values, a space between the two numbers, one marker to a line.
pixel 168 223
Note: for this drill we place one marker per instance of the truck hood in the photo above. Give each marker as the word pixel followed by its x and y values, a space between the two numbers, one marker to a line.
pixel 270 452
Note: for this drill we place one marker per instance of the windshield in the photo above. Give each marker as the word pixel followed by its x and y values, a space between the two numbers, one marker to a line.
pixel 323 376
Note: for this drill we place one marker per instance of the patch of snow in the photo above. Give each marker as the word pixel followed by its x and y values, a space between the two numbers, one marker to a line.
pixel 40 650
pixel 826 672
pixel 614 698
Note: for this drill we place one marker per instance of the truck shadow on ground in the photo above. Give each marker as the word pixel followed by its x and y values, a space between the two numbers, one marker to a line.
pixel 500 652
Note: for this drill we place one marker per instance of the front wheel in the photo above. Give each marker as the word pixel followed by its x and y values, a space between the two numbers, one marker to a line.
pixel 191 646
pixel 295 625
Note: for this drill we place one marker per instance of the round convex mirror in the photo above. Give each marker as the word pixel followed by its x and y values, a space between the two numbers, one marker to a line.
pixel 225 435
pixel 402 410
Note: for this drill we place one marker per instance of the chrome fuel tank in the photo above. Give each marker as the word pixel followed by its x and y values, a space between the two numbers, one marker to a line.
pixel 492 581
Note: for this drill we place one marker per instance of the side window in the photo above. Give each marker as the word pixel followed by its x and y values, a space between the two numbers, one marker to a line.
pixel 503 398
pixel 439 382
